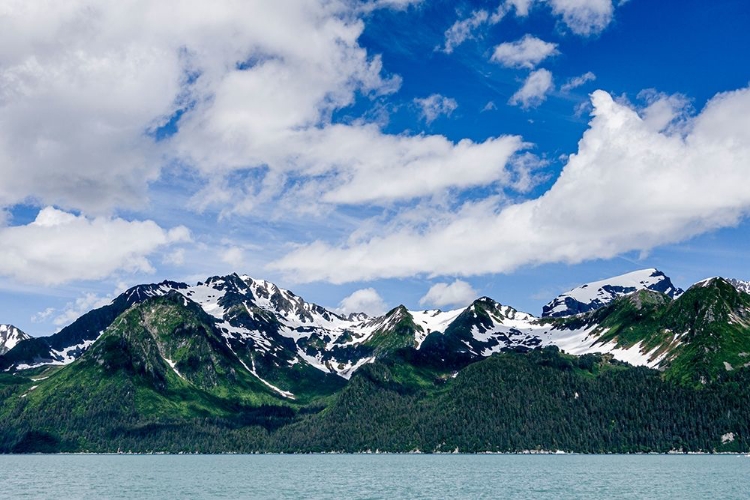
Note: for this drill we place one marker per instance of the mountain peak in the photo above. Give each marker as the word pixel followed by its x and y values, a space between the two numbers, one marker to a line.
pixel 705 283
pixel 596 294
pixel 9 337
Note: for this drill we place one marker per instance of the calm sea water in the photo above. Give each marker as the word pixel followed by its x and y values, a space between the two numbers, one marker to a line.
pixel 374 476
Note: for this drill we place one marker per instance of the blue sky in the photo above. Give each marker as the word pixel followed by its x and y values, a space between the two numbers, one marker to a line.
pixel 369 154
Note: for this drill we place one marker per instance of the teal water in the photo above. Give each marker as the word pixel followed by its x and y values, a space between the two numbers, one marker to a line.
pixel 375 476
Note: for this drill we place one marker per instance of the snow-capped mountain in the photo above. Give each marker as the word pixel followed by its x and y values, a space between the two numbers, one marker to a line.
pixel 487 327
pixel 596 294
pixel 271 329
pixel 9 337
pixel 742 286
pixel 280 338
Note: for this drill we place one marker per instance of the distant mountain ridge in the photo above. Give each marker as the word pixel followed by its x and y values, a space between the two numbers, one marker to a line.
pixel 277 335
pixel 597 294
pixel 743 286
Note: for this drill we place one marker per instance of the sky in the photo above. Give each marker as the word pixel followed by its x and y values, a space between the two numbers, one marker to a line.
pixel 368 153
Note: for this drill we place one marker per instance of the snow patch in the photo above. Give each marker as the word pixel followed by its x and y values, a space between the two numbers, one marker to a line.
pixel 174 368
pixel 432 321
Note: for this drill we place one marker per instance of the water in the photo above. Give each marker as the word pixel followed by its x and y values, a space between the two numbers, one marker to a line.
pixel 375 476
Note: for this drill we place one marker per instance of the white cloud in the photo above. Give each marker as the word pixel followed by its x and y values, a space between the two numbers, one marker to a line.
pixel 527 52
pixel 534 90
pixel 370 5
pixel 436 105
pixel 234 256
pixel 257 105
pixel 664 112
pixel 584 17
pixel 366 300
pixel 75 101
pixel 119 69
pixel 273 120
pixel 356 165
pixel 43 316
pixel 59 247
pixel 464 29
pixel 83 304
pixel 629 187
pixel 490 106
pixel 175 258
pixel 458 293
pixel 521 6
pixel 578 81
pixel 73 310
pixel 583 108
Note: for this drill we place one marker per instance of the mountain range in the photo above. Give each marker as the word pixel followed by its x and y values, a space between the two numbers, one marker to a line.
pixel 245 351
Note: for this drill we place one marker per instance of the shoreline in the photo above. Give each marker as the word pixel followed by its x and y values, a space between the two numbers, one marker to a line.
pixel 409 453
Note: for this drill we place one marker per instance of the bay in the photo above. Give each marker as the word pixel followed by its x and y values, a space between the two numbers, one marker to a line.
pixel 375 476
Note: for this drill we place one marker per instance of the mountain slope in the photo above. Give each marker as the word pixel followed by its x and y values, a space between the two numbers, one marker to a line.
pixel 515 402
pixel 699 336
pixel 161 375
pixel 70 342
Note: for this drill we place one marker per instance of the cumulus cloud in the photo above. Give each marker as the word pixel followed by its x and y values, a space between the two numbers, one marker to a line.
pixel 366 300
pixel 59 247
pixel 434 106
pixel 534 90
pixel 578 81
pixel 75 103
pixel 458 293
pixel 629 187
pixel 664 111
pixel 584 17
pixel 249 109
pixel 527 52
pixel 242 97
pixel 271 125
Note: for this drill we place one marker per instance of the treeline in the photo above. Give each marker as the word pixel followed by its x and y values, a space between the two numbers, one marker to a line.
pixel 540 400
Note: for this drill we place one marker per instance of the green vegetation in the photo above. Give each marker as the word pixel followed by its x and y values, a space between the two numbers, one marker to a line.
pixel 702 335
pixel 398 332
pixel 539 400
pixel 162 377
